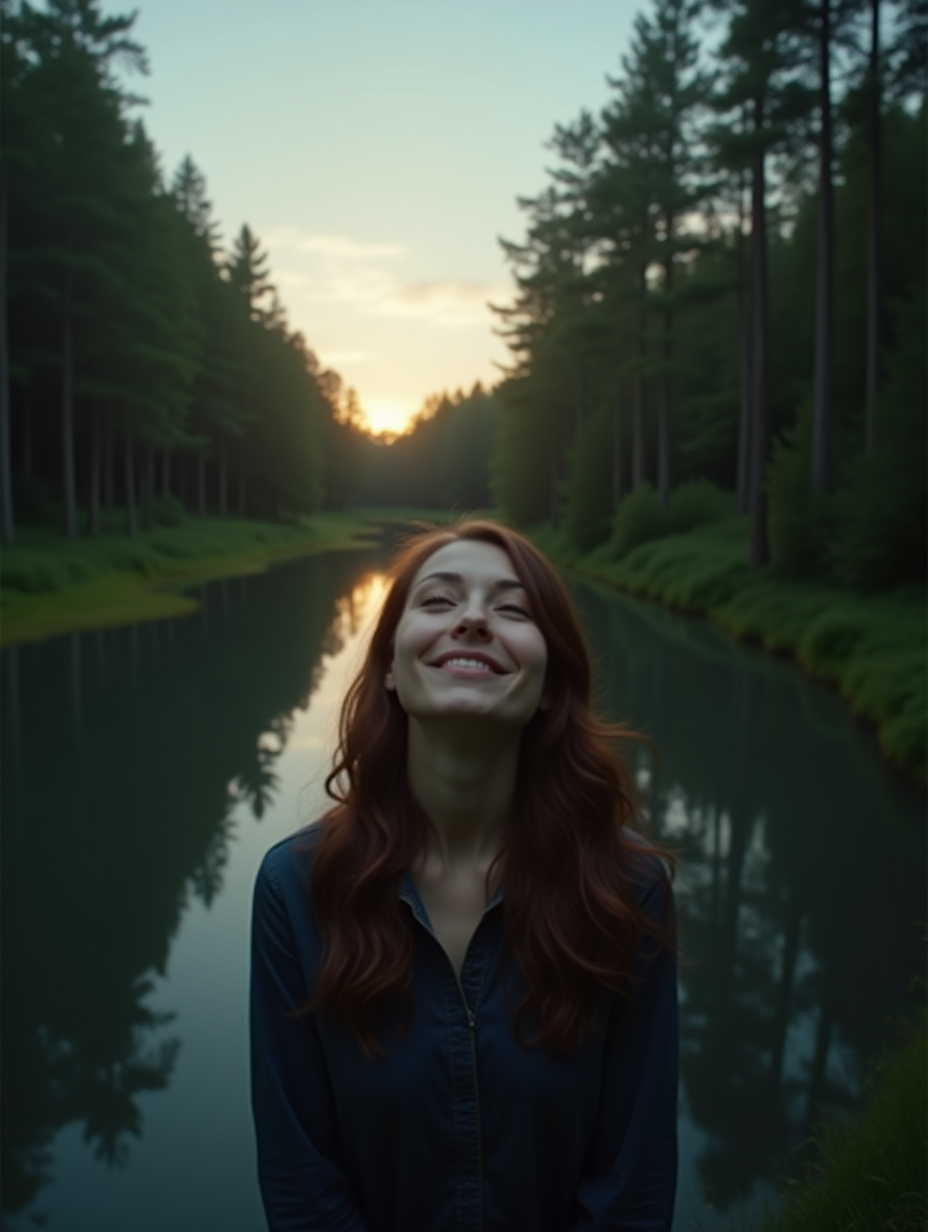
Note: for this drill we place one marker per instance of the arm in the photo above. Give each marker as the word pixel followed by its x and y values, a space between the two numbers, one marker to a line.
pixel 302 1184
pixel 630 1178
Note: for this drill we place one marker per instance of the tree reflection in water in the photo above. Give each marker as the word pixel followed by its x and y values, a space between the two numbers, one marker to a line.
pixel 126 754
pixel 125 751
pixel 800 889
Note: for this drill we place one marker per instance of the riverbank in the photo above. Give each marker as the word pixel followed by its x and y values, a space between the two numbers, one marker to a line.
pixel 51 585
pixel 872 648
pixel 870 1173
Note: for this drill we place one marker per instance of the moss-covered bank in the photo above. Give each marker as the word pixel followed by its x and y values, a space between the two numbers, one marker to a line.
pixel 50 585
pixel 871 1174
pixel 871 647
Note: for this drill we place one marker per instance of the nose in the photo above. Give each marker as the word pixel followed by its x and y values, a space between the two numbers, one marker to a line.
pixel 473 622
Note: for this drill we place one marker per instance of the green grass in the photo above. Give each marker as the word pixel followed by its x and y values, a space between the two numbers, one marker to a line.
pixel 872 648
pixel 871 1174
pixel 51 585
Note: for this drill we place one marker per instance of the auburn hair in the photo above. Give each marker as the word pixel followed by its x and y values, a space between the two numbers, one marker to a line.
pixel 570 865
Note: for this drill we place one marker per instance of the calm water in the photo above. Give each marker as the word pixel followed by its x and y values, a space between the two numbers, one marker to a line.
pixel 146 770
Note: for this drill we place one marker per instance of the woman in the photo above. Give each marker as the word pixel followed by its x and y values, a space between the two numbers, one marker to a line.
pixel 463 981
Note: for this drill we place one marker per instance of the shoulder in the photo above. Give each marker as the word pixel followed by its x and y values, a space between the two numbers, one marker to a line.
pixel 289 861
pixel 649 875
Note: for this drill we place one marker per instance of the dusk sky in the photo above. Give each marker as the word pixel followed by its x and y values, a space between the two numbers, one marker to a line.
pixel 377 149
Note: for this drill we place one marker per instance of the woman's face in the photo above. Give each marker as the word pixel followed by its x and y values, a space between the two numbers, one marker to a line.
pixel 466 644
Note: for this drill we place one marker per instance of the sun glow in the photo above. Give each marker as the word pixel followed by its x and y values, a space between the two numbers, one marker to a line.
pixel 388 414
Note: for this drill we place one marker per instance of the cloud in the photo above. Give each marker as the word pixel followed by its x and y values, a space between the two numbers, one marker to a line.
pixel 339 247
pixel 452 301
pixel 337 268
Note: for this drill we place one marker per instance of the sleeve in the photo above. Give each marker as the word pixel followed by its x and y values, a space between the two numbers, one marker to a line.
pixel 303 1184
pixel 629 1183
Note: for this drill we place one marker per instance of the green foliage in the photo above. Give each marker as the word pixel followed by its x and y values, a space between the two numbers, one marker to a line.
pixel 589 496
pixel 795 522
pixel 640 518
pixel 442 461
pixel 520 468
pixel 880 536
pixel 697 502
pixel 869 1174
pixel 163 511
pixel 171 347
pixel 874 648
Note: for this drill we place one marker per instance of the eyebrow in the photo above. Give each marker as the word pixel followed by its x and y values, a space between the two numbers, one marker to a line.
pixel 499 584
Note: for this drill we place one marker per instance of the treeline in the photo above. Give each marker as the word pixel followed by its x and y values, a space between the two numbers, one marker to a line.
pixel 722 287
pixel 142 368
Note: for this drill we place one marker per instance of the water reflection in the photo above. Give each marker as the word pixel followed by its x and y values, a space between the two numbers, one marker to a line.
pixel 125 752
pixel 130 757
pixel 801 883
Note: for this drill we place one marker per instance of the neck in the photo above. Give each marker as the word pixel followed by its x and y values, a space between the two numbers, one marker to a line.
pixel 464 780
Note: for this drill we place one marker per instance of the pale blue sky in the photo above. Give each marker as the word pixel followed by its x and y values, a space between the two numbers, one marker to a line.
pixel 377 150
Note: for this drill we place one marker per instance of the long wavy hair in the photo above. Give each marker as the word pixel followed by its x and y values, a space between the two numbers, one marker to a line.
pixel 569 863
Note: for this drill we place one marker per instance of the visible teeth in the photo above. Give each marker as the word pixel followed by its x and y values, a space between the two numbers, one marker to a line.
pixel 467 663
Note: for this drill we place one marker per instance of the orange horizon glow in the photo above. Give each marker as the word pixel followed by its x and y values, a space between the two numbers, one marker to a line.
pixel 388 415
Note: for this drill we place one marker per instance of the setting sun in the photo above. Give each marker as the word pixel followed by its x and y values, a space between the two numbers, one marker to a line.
pixel 388 414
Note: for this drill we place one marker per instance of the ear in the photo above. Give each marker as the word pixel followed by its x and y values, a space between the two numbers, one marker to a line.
pixel 389 681
pixel 545 702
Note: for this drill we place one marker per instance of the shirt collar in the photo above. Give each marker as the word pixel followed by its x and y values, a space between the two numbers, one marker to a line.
pixel 409 894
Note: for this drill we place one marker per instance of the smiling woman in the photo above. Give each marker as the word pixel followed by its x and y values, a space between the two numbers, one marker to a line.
pixel 463 981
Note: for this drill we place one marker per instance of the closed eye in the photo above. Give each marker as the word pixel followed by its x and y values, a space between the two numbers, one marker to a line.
pixel 514 607
pixel 435 600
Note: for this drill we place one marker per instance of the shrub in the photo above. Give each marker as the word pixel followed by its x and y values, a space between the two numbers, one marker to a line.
pixel 589 498
pixel 163 511
pixel 639 519
pixel 830 640
pixel 697 502
pixel 796 518
pixel 880 534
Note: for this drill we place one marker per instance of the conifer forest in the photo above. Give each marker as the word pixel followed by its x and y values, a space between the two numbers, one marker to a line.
pixel 714 399
pixel 720 290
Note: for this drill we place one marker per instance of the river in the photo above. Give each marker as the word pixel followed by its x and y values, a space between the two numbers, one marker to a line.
pixel 146 770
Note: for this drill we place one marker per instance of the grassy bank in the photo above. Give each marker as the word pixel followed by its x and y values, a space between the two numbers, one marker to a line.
pixel 871 1174
pixel 51 585
pixel 871 647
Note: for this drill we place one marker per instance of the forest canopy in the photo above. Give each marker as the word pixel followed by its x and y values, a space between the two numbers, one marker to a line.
pixel 719 306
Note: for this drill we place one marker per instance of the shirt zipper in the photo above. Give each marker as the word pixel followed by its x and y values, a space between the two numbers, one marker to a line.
pixel 472 1024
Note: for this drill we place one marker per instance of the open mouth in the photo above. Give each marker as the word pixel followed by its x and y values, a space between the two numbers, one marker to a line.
pixel 476 664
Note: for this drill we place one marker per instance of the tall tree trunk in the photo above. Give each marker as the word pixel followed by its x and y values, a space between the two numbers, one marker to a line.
pixel 638 428
pixel 553 494
pixel 201 485
pixel 166 473
pixel 664 413
pixel 67 414
pixel 822 412
pixel 759 551
pixel 7 525
pixel 28 465
pixel 149 482
pixel 874 227
pixel 641 393
pixel 665 410
pixel 109 479
pixel 241 491
pixel 223 477
pixel 132 524
pixel 617 445
pixel 93 493
pixel 744 368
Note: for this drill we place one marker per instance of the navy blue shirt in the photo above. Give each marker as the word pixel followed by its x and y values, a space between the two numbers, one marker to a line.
pixel 457 1128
